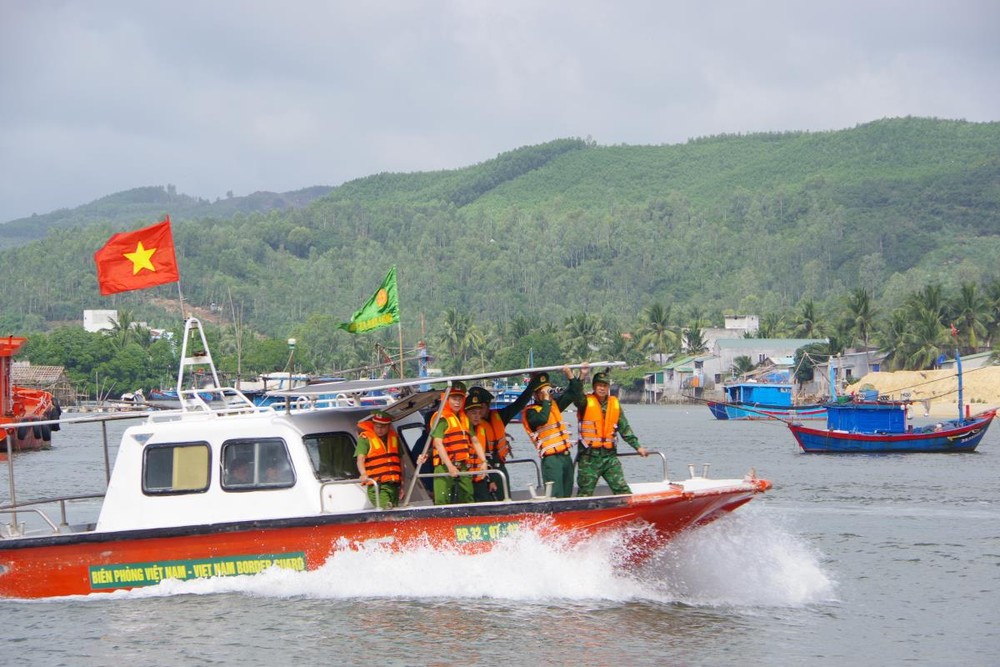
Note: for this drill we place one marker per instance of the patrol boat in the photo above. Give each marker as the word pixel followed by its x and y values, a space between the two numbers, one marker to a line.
pixel 175 506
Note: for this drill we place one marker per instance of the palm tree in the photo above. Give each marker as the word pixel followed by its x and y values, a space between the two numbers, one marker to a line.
pixel 656 331
pixel 807 323
pixel 461 337
pixel 771 326
pixel 972 311
pixel 992 291
pixel 125 329
pixel 583 334
pixel 891 338
pixel 861 315
pixel 926 339
pixel 741 366
pixel 694 341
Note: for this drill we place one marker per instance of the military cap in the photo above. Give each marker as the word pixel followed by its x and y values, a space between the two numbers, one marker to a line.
pixel 540 380
pixel 458 388
pixel 381 417
pixel 601 378
pixel 477 397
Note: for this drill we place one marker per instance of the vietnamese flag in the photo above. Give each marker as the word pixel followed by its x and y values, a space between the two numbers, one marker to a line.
pixel 137 260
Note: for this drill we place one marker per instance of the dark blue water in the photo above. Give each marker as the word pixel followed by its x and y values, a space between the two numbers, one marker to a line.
pixel 864 560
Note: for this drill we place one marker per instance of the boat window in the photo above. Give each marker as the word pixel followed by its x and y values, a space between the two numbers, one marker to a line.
pixel 250 464
pixel 332 454
pixel 176 468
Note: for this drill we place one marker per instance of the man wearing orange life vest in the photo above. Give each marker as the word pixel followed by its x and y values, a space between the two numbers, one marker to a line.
pixel 490 426
pixel 543 421
pixel 456 448
pixel 601 419
pixel 377 454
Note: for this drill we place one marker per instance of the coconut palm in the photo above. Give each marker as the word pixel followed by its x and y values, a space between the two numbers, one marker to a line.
pixel 972 311
pixel 891 339
pixel 694 341
pixel 657 334
pixel 861 315
pixel 461 337
pixel 807 323
pixel 926 339
pixel 583 334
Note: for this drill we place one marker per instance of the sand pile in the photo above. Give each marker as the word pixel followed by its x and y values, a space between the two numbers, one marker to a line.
pixel 938 390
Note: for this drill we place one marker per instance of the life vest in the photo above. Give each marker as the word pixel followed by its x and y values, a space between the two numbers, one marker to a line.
pixel 457 437
pixel 382 462
pixel 497 448
pixel 552 437
pixel 598 427
pixel 492 434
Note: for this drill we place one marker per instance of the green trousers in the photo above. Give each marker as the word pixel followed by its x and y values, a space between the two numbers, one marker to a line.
pixel 558 469
pixel 388 495
pixel 445 488
pixel 594 464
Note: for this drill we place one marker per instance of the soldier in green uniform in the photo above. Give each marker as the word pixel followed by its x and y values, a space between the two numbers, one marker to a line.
pixel 489 425
pixel 601 420
pixel 544 424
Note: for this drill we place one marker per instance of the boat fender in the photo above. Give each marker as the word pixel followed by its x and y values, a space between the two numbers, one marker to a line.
pixel 54 413
pixel 36 430
pixel 46 432
pixel 22 432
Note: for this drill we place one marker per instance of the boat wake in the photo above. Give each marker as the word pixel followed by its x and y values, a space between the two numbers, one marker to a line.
pixel 742 560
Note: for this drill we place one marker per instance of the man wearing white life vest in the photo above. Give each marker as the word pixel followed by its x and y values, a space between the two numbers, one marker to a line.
pixel 378 459
pixel 601 420
pixel 543 421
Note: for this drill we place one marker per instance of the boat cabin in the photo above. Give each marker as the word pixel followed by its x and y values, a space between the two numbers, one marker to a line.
pixel 867 417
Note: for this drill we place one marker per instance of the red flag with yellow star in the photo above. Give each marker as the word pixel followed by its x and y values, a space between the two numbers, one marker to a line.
pixel 137 260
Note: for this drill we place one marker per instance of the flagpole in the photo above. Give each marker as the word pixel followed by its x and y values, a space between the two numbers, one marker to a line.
pixel 180 301
pixel 399 324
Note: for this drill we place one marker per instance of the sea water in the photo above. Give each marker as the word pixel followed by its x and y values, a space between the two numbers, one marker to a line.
pixel 858 559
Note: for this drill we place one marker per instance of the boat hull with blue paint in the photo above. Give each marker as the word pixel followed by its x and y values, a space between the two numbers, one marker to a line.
pixel 876 428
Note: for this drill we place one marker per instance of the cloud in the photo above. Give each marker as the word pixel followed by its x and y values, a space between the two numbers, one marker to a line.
pixel 108 95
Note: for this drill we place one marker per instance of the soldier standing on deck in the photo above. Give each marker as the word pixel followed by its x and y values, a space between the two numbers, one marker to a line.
pixel 601 420
pixel 544 424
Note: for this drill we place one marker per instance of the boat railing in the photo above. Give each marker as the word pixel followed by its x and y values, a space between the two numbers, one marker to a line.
pixel 650 452
pixel 534 462
pixel 16 529
pixel 224 401
pixel 490 472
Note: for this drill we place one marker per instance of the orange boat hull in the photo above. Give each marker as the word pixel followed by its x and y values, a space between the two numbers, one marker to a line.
pixel 84 563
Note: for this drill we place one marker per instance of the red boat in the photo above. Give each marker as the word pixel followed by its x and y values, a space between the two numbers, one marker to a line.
pixel 175 508
pixel 21 409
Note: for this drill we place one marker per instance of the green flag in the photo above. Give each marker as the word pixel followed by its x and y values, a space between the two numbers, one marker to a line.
pixel 380 311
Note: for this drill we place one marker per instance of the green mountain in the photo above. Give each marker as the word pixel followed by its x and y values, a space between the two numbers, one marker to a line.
pixel 750 223
pixel 124 208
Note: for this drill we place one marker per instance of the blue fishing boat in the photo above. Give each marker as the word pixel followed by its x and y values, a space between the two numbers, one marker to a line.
pixel 866 424
pixel 763 400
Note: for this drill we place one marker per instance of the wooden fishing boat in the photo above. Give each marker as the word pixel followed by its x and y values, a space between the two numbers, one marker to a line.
pixel 865 424
pixel 175 507
pixel 28 416
pixel 763 400
pixel 880 427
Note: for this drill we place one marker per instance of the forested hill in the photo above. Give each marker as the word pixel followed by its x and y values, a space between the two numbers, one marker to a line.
pixel 741 223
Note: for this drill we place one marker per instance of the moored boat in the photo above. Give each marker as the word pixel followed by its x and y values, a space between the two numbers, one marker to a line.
pixel 880 427
pixel 763 400
pixel 866 424
pixel 176 508
pixel 28 415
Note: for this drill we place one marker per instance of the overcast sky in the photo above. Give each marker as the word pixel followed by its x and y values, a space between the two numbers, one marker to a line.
pixel 102 96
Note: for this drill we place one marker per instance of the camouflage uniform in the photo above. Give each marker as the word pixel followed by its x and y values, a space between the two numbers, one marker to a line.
pixel 594 463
